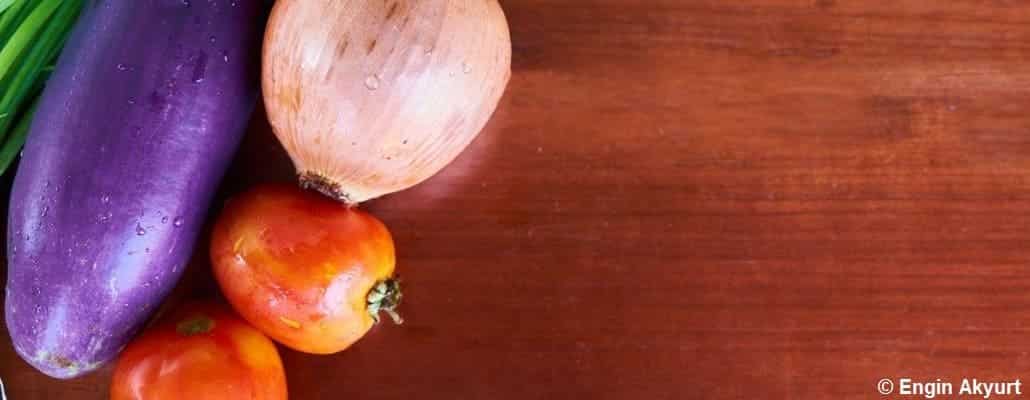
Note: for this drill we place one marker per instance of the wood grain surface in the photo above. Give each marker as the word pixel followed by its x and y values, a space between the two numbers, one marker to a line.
pixel 755 199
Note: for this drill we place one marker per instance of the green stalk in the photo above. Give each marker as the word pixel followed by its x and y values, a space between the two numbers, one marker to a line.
pixel 32 34
pixel 61 26
pixel 24 79
pixel 26 32
pixel 4 4
pixel 12 18
pixel 13 145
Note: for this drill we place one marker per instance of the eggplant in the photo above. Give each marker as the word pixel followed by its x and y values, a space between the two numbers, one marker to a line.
pixel 132 135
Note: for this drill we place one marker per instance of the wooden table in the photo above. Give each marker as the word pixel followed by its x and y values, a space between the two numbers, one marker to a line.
pixel 758 199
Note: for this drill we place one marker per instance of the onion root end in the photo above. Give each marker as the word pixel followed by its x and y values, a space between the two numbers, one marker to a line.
pixel 320 183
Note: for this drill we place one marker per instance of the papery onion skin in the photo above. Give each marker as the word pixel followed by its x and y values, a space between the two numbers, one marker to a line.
pixel 373 97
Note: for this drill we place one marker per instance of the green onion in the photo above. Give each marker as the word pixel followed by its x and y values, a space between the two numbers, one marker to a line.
pixel 9 151
pixel 26 32
pixel 4 4
pixel 32 34
pixel 11 18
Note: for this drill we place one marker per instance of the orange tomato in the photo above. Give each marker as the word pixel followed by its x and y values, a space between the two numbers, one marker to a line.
pixel 201 351
pixel 307 271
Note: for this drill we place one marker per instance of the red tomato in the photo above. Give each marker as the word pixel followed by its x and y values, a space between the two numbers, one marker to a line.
pixel 200 352
pixel 307 271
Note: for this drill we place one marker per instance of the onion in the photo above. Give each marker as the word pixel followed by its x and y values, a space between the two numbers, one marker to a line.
pixel 372 97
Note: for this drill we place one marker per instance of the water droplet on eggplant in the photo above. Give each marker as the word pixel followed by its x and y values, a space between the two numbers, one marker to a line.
pixel 200 68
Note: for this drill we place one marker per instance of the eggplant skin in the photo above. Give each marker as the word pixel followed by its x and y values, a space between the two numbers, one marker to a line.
pixel 133 134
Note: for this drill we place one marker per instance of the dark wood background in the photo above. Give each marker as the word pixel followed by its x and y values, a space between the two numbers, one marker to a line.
pixel 775 199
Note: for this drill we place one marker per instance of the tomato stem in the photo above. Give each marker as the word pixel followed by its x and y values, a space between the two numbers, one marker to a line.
pixel 195 326
pixel 385 296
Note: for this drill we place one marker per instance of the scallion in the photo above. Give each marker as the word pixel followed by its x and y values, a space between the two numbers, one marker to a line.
pixel 32 34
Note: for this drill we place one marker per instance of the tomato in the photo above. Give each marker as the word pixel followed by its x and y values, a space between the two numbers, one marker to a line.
pixel 307 271
pixel 201 351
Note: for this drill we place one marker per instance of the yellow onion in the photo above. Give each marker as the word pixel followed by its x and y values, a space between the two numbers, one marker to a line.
pixel 370 97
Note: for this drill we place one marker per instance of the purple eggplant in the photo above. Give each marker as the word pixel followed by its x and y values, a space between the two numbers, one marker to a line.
pixel 133 133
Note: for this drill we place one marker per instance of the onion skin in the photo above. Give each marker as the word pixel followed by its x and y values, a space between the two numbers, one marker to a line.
pixel 373 97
